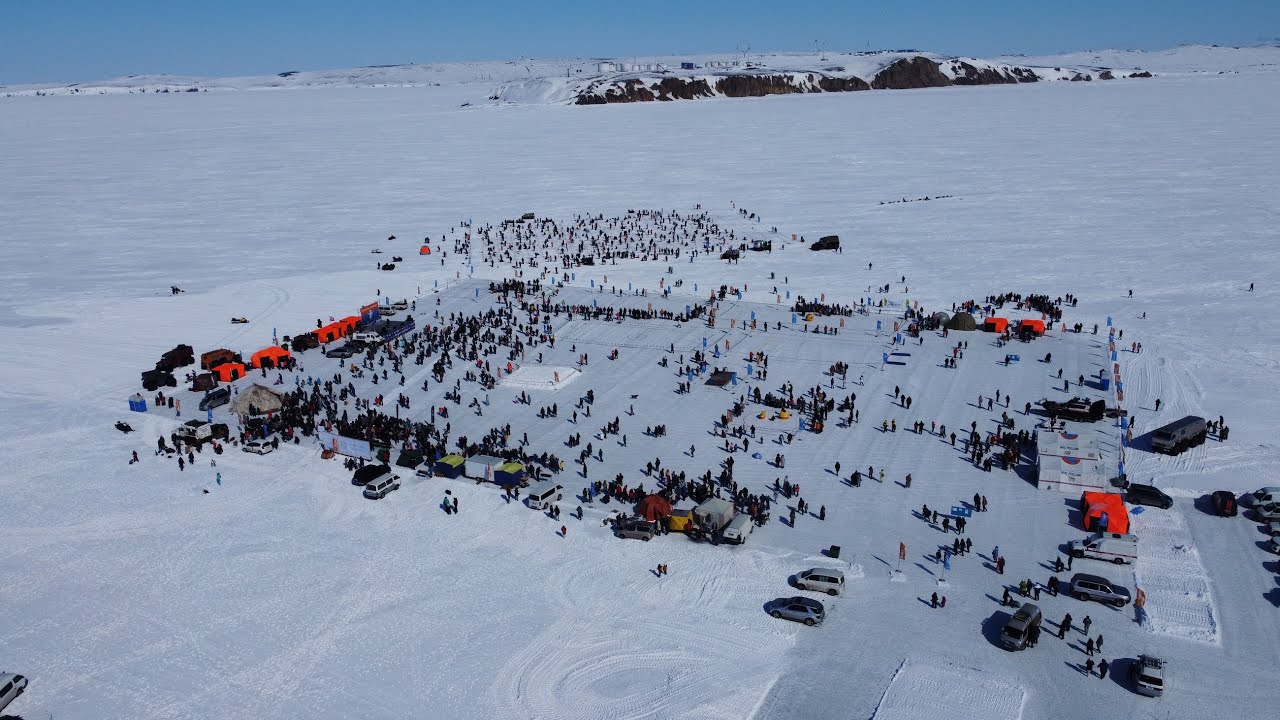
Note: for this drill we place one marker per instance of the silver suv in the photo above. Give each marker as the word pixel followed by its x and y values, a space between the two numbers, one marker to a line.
pixel 1094 587
pixel 637 529
pixel 1147 675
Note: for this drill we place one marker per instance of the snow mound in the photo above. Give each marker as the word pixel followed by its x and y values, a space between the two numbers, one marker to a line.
pixel 541 377
pixel 948 691
pixel 1179 599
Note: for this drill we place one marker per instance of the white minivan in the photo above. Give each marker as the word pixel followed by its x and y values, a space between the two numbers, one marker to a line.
pixel 544 494
pixel 1118 548
pixel 738 529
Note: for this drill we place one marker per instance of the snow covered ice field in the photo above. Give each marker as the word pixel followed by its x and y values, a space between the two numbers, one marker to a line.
pixel 127 593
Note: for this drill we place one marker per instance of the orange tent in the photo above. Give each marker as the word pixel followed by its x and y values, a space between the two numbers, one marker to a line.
pixel 228 372
pixel 1095 504
pixel 349 324
pixel 995 324
pixel 330 332
pixel 1035 326
pixel 268 357
pixel 424 250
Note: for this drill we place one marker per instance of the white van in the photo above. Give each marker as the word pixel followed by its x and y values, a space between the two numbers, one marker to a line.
pixel 738 529
pixel 1114 547
pixel 544 494
pixel 379 487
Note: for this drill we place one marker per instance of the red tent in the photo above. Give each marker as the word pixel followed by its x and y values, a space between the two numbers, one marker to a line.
pixel 228 372
pixel 995 324
pixel 349 324
pixel 330 332
pixel 653 508
pixel 1035 326
pixel 268 357
pixel 1095 504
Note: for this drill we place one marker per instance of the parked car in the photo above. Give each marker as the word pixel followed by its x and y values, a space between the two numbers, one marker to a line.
pixel 738 529
pixel 368 473
pixel 800 609
pixel 11 686
pixel 215 398
pixel 825 580
pixel 1147 675
pixel 1267 512
pixel 1273 545
pixel 371 338
pixel 1260 496
pixel 379 487
pixel 1094 587
pixel 1113 547
pixel 1017 632
pixel 1273 528
pixel 1148 495
pixel 637 529
pixel 342 351
pixel 258 447
pixel 1224 503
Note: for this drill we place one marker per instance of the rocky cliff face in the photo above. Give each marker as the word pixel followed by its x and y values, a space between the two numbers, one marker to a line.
pixel 910 74
pixel 967 74
pixel 903 74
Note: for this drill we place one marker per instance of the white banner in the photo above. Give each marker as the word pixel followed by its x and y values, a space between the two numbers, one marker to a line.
pixel 344 445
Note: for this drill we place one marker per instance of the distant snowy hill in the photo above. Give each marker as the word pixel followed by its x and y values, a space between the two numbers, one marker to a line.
pixel 604 80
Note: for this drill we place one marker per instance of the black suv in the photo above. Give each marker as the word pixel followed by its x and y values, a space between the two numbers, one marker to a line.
pixel 1148 495
pixel 1224 503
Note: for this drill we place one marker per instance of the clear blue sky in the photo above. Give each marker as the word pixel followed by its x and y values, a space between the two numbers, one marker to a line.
pixel 72 40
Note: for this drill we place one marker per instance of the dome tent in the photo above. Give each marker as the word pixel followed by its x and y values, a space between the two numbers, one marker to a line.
pixel 962 321
pixel 941 318
pixel 653 508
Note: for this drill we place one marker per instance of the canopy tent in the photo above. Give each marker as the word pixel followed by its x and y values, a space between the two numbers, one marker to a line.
pixel 450 466
pixel 330 332
pixel 995 324
pixel 268 357
pixel 511 473
pixel 1031 326
pixel 481 467
pixel 962 321
pixel 257 400
pixel 680 520
pixel 410 458
pixel 349 324
pixel 653 508
pixel 228 372
pixel 720 378
pixel 1104 512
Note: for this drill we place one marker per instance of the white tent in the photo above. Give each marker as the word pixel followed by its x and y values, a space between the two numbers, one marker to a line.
pixel 481 467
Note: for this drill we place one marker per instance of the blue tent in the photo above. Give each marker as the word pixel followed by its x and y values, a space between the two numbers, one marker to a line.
pixel 509 474
pixel 137 403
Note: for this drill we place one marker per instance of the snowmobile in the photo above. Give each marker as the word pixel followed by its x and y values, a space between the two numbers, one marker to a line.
pixel 240 321
pixel 124 427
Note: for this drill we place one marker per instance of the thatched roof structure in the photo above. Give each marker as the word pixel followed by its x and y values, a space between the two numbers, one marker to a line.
pixel 257 400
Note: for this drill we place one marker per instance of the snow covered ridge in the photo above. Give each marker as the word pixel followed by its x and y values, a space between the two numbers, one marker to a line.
pixel 596 80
